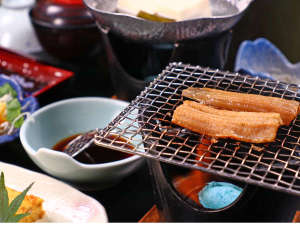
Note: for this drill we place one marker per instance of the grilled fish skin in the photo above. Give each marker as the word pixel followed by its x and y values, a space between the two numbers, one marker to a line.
pixel 255 130
pixel 230 114
pixel 288 109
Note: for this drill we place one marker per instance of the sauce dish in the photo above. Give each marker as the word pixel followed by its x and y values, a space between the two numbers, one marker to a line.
pixel 62 119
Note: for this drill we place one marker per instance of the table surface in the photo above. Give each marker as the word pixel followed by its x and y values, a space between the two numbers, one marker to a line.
pixel 130 200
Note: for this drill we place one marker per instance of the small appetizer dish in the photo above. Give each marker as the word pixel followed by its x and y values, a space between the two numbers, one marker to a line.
pixel 49 131
pixel 35 197
pixel 14 108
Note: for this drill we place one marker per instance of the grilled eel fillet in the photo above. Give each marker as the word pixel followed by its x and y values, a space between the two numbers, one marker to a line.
pixel 31 204
pixel 230 114
pixel 255 127
pixel 288 109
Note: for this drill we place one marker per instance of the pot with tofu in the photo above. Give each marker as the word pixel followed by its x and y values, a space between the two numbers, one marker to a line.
pixel 166 21
pixel 165 11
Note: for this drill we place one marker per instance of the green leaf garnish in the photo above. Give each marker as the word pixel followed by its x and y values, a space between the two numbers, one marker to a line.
pixel 8 211
pixel 154 17
pixel 7 89
pixel 3 199
pixel 13 109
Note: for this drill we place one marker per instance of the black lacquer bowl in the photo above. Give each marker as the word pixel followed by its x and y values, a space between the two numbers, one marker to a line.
pixel 65 31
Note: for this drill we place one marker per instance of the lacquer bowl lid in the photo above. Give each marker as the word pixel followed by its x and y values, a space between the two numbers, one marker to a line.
pixel 61 13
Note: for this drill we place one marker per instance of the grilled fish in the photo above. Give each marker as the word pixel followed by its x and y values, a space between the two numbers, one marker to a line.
pixel 254 127
pixel 288 109
pixel 230 114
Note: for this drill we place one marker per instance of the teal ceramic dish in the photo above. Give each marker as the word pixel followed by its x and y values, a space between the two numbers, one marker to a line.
pixel 62 119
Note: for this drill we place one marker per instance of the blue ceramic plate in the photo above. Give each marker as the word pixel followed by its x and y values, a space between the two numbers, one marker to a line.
pixel 29 104
pixel 262 58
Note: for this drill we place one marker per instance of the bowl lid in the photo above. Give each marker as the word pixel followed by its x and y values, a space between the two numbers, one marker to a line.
pixel 61 13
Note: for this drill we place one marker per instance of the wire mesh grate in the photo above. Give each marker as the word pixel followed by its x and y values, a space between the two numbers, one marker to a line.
pixel 146 124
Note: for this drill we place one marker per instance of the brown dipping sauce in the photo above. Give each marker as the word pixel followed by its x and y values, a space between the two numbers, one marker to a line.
pixel 96 154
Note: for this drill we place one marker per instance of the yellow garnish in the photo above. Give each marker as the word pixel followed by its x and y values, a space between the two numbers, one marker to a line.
pixel 31 204
pixel 2 112
pixel 154 17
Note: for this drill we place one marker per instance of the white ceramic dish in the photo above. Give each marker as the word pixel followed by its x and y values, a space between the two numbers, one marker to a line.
pixel 62 203
pixel 62 119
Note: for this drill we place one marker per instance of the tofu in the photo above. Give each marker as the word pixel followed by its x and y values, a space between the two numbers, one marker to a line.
pixel 31 204
pixel 172 9
pixel 133 7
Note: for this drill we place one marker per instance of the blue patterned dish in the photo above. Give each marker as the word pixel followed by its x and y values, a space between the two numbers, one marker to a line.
pixel 29 104
pixel 262 58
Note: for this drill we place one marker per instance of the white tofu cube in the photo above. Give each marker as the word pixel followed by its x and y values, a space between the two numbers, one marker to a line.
pixel 172 9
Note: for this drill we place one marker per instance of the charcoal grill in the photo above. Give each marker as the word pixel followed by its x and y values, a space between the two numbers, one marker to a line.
pixel 146 122
pixel 154 44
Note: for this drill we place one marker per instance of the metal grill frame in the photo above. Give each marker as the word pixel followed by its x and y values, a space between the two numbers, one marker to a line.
pixel 145 123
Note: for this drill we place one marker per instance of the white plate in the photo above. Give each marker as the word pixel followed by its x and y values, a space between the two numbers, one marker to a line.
pixel 62 203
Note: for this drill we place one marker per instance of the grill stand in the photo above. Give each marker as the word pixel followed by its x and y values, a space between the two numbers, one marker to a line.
pixel 174 207
pixel 211 52
pixel 146 123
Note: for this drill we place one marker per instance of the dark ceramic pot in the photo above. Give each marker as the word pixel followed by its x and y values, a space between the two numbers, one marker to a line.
pixel 65 29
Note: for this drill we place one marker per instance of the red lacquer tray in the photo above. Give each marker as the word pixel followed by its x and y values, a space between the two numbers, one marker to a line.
pixel 33 76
